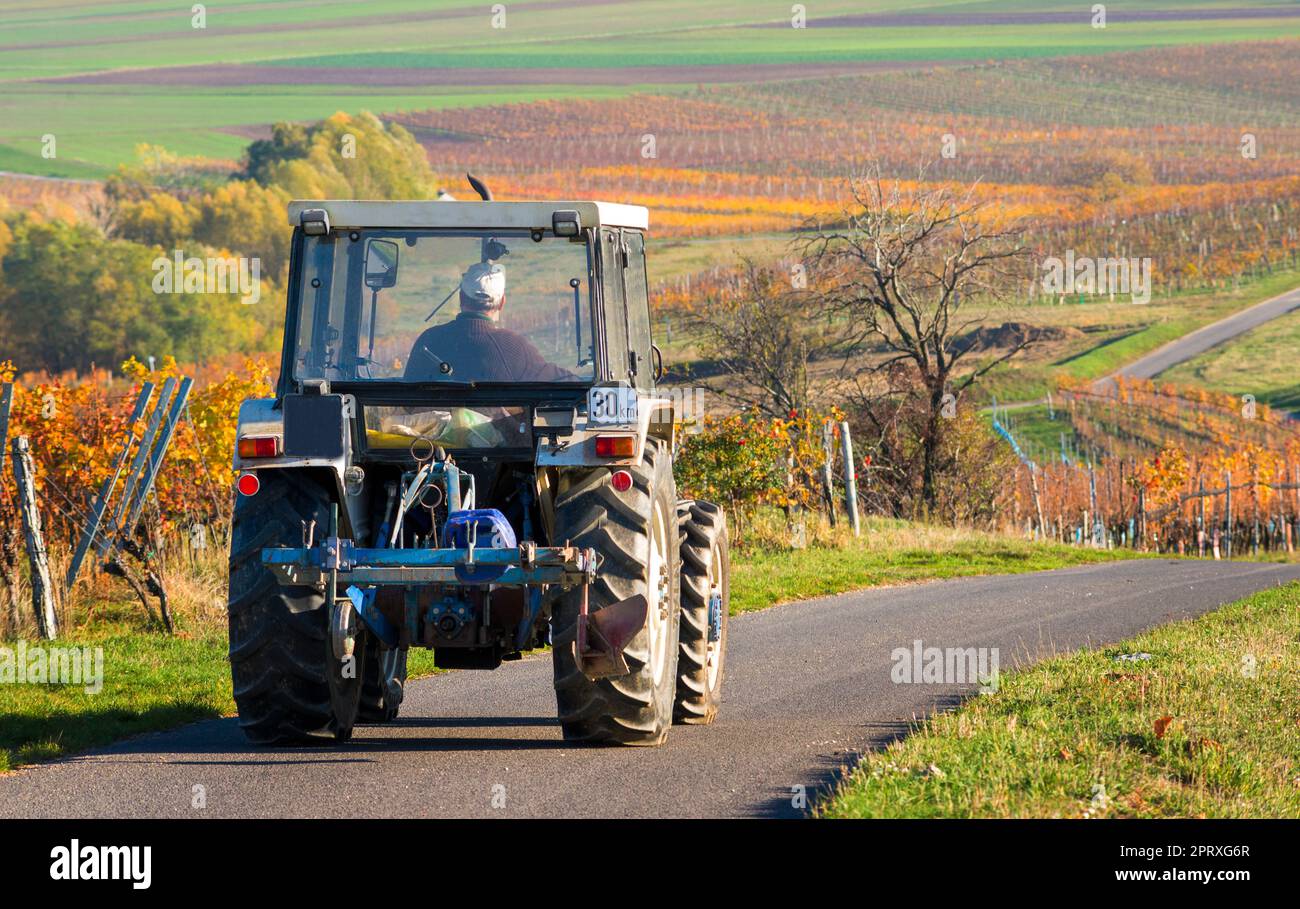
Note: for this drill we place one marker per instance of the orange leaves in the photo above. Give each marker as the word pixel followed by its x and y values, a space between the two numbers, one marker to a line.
pixel 1164 476
pixel 77 428
pixel 1177 447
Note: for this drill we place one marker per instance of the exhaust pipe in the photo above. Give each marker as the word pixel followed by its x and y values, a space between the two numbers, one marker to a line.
pixel 479 187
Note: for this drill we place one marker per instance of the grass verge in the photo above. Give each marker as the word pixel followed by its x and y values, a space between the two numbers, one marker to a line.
pixel 151 681
pixel 890 552
pixel 1207 726
pixel 1257 363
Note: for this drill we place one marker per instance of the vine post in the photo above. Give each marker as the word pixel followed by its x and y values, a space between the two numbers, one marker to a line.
pixel 850 479
pixel 47 621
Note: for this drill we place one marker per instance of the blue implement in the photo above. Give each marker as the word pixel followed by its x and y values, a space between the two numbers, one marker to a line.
pixel 364 603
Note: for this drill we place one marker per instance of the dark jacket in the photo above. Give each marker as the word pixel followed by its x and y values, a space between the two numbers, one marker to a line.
pixel 478 350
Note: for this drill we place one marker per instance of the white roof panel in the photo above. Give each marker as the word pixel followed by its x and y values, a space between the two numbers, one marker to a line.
pixel 470 215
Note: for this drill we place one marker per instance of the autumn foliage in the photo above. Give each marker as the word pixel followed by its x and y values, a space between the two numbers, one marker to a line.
pixel 77 426
pixel 748 460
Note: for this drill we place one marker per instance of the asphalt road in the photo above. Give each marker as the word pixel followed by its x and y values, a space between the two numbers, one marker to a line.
pixel 1201 340
pixel 808 687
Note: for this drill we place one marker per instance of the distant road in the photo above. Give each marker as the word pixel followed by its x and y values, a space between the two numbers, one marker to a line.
pixel 1201 340
pixel 808 688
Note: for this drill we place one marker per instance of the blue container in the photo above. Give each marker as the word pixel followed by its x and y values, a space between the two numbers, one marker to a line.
pixel 492 531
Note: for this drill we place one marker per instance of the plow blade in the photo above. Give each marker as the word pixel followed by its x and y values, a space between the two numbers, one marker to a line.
pixel 604 634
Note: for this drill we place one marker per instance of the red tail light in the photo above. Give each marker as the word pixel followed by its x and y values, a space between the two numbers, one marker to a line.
pixel 259 446
pixel 248 484
pixel 615 446
pixel 621 480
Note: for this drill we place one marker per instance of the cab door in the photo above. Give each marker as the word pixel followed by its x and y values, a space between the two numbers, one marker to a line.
pixel 626 308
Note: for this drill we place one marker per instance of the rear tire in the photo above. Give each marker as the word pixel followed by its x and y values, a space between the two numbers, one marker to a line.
pixel 637 708
pixel 286 683
pixel 706 572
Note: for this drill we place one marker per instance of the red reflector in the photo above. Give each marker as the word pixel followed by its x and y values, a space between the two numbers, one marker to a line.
pixel 621 481
pixel 615 446
pixel 259 446
pixel 248 484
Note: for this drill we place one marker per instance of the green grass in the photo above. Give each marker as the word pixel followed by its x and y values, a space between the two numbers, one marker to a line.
pixel 743 46
pixel 150 682
pixel 28 162
pixel 154 682
pixel 1188 733
pixel 1037 430
pixel 892 552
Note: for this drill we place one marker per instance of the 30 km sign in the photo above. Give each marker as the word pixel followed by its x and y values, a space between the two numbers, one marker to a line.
pixel 612 405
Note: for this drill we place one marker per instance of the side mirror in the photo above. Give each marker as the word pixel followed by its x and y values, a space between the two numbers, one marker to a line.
pixel 381 264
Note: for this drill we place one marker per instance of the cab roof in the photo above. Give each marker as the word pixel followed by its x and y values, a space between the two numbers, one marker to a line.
pixel 470 215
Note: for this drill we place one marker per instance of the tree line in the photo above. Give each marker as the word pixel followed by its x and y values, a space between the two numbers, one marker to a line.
pixel 75 293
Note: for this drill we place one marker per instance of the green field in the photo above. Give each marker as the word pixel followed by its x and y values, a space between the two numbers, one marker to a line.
pixel 895 552
pixel 746 46
pixel 1119 333
pixel 1261 363
pixel 578 49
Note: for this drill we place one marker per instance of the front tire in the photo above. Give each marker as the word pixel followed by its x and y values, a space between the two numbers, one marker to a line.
pixel 706 575
pixel 636 540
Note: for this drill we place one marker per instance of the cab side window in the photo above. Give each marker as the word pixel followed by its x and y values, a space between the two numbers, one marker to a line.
pixel 615 313
pixel 638 309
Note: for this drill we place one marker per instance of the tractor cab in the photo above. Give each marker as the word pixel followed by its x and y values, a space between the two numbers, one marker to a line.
pixel 372 283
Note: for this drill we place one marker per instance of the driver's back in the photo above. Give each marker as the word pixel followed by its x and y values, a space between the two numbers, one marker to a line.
pixel 473 348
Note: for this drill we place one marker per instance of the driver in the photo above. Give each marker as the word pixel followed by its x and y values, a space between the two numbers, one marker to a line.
pixel 473 347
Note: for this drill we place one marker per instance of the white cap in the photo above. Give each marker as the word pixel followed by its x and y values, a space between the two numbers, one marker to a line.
pixel 483 286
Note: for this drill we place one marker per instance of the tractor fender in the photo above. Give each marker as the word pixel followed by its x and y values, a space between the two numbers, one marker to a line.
pixel 261 417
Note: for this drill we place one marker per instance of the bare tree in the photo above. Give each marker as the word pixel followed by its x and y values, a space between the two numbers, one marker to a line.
pixel 767 334
pixel 913 268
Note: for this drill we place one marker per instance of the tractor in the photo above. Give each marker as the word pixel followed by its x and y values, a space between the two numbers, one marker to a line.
pixel 467 451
